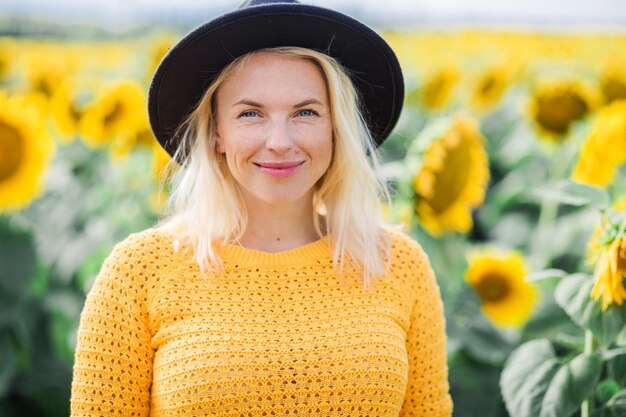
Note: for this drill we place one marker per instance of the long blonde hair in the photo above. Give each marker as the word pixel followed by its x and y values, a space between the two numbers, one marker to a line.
pixel 206 200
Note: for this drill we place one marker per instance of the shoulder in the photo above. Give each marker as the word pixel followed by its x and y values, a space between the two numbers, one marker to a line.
pixel 152 248
pixel 408 259
pixel 137 266
pixel 147 243
pixel 404 247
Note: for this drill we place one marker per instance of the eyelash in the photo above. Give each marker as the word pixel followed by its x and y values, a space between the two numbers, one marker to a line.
pixel 313 113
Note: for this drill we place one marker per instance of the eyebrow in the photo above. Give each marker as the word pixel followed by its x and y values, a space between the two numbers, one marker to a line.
pixel 252 103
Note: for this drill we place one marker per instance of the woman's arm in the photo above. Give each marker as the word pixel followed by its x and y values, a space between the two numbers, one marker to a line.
pixel 113 360
pixel 427 393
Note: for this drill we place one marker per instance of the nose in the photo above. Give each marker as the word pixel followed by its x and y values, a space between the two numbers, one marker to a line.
pixel 279 137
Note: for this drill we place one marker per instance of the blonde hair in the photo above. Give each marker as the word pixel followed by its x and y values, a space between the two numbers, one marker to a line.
pixel 205 198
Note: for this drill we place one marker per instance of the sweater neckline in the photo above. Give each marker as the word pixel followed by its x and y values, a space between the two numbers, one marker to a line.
pixel 311 252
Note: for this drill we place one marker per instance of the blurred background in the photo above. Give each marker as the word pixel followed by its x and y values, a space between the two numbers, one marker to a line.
pixel 507 165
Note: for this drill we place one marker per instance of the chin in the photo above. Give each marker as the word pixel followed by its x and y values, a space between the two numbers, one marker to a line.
pixel 283 196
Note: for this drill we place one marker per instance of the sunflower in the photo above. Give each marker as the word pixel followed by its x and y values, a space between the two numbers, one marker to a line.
pixel 129 139
pixel 66 110
pixel 498 278
pixel 118 110
pixel 158 50
pixel 605 148
pixel 436 92
pixel 613 84
pixel 25 151
pixel 452 175
pixel 490 87
pixel 47 67
pixel 555 106
pixel 5 60
pixel 606 251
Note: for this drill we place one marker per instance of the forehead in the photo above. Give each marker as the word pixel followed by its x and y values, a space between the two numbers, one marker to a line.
pixel 269 73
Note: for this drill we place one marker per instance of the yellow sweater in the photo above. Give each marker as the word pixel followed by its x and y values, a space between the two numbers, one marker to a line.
pixel 272 335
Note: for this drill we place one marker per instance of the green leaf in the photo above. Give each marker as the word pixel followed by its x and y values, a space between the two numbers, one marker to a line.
pixel 484 342
pixel 572 294
pixel 612 353
pixel 620 340
pixel 571 385
pixel 616 369
pixel 576 194
pixel 545 274
pixel 549 321
pixel 536 383
pixel 526 377
pixel 617 404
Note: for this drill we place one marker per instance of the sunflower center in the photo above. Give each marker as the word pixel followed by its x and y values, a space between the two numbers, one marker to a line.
pixel 11 149
pixel 488 85
pixel 492 288
pixel 452 179
pixel 557 112
pixel 613 89
pixel 44 85
pixel 75 113
pixel 437 89
pixel 115 114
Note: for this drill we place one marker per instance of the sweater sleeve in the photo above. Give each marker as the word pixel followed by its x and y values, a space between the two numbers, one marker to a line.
pixel 113 360
pixel 427 393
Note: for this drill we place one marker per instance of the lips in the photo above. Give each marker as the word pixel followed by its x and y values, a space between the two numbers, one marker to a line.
pixel 281 169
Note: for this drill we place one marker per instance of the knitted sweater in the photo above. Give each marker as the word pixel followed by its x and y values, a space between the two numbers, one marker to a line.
pixel 271 335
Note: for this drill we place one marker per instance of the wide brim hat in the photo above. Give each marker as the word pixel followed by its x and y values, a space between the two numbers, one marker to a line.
pixel 192 64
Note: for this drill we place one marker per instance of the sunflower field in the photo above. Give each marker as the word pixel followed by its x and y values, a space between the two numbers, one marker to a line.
pixel 508 165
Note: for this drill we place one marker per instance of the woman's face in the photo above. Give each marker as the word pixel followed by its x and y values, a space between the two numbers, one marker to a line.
pixel 275 129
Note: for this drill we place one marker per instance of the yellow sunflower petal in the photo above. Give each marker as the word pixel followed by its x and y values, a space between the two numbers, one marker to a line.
pixel 609 261
pixel 498 278
pixel 452 178
pixel 604 149
pixel 118 110
pixel 555 106
pixel 25 151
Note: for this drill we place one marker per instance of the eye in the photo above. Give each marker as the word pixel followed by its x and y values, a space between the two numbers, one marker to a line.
pixel 248 113
pixel 307 113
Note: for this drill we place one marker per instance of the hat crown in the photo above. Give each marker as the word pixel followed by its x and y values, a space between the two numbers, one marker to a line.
pixel 250 3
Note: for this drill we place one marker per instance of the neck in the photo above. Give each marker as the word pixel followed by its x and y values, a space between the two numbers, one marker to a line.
pixel 280 227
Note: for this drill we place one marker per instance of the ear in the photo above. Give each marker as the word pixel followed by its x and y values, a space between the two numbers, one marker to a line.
pixel 219 143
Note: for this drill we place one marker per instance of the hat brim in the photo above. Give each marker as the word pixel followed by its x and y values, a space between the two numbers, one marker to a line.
pixel 192 64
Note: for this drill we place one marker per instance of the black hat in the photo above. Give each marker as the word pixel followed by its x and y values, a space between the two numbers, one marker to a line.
pixel 192 64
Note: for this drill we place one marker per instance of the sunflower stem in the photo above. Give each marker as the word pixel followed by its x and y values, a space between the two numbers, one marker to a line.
pixel 548 211
pixel 590 346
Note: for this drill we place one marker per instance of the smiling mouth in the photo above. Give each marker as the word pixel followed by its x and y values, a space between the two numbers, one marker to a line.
pixel 279 169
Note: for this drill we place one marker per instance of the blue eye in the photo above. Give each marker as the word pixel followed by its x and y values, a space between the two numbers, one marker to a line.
pixel 307 112
pixel 248 113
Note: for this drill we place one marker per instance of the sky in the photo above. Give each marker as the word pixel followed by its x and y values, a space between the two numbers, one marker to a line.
pixel 112 14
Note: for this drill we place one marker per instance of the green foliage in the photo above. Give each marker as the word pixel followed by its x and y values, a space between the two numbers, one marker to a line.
pixel 576 194
pixel 535 382
pixel 572 294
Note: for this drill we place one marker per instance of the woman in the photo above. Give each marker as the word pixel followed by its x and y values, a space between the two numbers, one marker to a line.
pixel 274 288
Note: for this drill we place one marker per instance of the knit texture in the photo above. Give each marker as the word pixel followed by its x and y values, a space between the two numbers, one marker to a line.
pixel 271 335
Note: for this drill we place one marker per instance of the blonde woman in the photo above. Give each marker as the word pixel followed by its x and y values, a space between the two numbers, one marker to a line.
pixel 274 287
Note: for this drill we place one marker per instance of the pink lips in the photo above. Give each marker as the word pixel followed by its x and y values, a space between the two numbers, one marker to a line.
pixel 280 169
